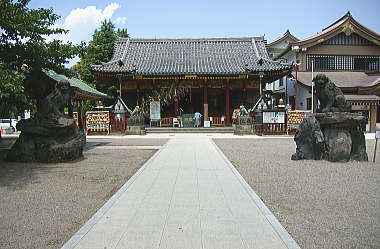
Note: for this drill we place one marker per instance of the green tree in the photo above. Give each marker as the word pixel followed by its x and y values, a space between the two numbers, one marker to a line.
pixel 24 51
pixel 99 49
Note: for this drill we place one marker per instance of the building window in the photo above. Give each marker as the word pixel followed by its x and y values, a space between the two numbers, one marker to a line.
pixel 343 62
pixel 308 104
pixel 281 82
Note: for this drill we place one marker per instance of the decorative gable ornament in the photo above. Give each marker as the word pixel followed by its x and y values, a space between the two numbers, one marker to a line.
pixel 348 29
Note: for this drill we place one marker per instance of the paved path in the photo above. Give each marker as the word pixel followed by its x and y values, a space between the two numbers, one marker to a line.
pixel 186 196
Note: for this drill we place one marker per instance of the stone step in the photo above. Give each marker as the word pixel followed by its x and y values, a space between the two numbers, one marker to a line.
pixel 189 130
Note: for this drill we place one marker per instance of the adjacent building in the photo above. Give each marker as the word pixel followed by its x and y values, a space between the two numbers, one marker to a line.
pixel 347 52
pixel 280 49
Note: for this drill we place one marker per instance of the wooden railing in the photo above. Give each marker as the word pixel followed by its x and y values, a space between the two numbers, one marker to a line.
pixel 261 129
pixel 217 121
pixel 165 122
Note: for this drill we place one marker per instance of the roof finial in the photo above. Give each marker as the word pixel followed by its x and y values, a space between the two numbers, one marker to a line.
pixel 348 13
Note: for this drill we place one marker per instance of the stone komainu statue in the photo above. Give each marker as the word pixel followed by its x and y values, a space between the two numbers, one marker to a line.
pixel 53 104
pixel 333 134
pixel 330 97
pixel 51 136
pixel 137 112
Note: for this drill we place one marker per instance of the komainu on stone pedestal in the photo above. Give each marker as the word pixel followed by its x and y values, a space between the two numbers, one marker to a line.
pixel 334 134
pixel 51 136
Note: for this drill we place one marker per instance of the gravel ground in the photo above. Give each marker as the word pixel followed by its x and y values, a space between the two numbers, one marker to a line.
pixel 321 204
pixel 43 205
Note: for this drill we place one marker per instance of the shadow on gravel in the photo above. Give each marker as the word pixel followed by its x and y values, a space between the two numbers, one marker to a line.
pixel 15 175
pixel 92 145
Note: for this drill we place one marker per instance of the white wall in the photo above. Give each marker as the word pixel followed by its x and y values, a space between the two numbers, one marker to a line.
pixel 301 98
pixel 290 86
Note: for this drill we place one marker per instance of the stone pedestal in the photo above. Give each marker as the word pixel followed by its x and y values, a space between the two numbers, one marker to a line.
pixel 48 141
pixel 241 129
pixel 135 130
pixel 333 136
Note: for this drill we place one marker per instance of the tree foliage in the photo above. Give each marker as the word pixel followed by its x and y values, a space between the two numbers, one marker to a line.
pixel 24 50
pixel 98 50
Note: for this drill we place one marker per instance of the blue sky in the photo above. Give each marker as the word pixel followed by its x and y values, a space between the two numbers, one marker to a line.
pixel 208 18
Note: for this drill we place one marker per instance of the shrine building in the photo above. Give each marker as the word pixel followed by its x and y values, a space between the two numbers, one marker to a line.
pixel 220 73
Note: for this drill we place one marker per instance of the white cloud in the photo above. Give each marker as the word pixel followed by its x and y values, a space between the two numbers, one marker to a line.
pixel 120 20
pixel 81 23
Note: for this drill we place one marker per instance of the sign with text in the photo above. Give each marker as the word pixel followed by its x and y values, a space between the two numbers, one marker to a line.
pixel 155 111
pixel 273 117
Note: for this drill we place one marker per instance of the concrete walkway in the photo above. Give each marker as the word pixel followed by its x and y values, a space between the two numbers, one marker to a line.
pixel 187 195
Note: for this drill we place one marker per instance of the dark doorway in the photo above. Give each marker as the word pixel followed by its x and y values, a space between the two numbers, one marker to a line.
pixel 236 98
pixel 216 102
pixel 192 101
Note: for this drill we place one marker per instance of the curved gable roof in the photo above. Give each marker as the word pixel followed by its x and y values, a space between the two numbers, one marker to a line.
pixel 345 24
pixel 286 35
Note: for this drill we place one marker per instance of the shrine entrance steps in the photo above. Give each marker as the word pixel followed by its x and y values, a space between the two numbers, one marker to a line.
pixel 189 130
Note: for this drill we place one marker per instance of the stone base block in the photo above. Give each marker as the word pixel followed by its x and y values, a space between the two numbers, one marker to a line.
pixel 242 130
pixel 135 130
pixel 336 137
pixel 35 148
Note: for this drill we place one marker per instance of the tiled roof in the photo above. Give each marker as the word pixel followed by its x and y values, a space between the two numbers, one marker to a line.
pixel 77 84
pixel 208 56
pixel 341 79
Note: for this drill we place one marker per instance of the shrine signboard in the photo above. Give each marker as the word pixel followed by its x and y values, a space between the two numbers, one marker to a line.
pixel 274 117
pixel 155 111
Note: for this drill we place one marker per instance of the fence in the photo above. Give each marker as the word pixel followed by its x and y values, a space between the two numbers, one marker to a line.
pixel 119 125
pixel 267 129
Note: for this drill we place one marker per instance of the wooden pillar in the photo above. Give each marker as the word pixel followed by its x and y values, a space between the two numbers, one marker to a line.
pixel 70 109
pixel 79 109
pixel 372 117
pixel 137 93
pixel 296 90
pixel 227 109
pixel 176 106
pixel 244 95
pixel 205 102
pixel 80 115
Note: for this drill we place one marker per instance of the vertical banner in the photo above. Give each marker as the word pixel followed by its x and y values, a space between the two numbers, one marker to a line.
pixel 155 111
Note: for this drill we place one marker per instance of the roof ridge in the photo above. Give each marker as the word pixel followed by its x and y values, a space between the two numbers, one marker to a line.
pixel 347 15
pixel 248 38
pixel 255 49
pixel 125 50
